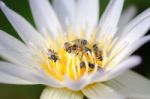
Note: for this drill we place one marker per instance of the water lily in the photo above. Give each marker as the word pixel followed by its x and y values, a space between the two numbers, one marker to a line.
pixel 75 54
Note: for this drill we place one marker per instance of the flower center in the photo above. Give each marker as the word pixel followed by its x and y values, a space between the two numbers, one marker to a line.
pixel 75 59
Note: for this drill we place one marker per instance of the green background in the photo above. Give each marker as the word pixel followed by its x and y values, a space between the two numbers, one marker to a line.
pixel 33 92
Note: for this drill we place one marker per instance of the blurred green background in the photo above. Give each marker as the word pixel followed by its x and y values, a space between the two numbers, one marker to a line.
pixel 33 92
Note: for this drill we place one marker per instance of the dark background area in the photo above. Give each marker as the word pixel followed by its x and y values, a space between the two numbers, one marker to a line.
pixel 33 92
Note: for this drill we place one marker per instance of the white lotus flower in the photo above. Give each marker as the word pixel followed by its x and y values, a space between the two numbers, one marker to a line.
pixel 73 52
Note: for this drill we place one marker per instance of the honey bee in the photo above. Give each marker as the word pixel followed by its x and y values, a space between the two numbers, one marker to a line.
pixel 77 46
pixel 91 65
pixel 99 55
pixel 52 55
pixel 97 52
pixel 68 47
pixel 80 42
pixel 95 47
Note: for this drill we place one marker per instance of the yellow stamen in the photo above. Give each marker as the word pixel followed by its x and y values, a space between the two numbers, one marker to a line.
pixel 78 58
pixel 62 62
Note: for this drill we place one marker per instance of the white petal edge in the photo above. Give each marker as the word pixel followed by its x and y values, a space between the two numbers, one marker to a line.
pixel 60 93
pixel 14 50
pixel 87 15
pixel 45 17
pixel 131 84
pixel 137 96
pixel 9 79
pixel 23 28
pixel 10 42
pixel 126 16
pixel 121 68
pixel 65 10
pixel 137 28
pixel 129 50
pixel 22 59
pixel 101 91
pixel 28 74
pixel 110 18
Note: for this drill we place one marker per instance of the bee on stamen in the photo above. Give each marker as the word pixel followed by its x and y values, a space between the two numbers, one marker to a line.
pixel 80 42
pixel 91 65
pixel 95 47
pixel 68 47
pixel 76 46
pixel 97 52
pixel 52 55
pixel 99 55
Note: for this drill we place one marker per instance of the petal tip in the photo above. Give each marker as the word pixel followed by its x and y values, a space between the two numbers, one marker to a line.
pixel 138 59
pixel 2 4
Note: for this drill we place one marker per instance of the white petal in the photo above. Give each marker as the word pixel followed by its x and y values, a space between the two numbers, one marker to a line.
pixel 60 93
pixel 75 85
pixel 114 72
pixel 25 30
pixel 28 74
pixel 128 50
pixel 9 42
pixel 100 91
pixel 65 10
pixel 136 28
pixel 126 16
pixel 22 59
pixel 17 71
pixel 87 14
pixel 121 68
pixel 110 18
pixel 137 96
pixel 45 17
pixel 131 84
pixel 9 79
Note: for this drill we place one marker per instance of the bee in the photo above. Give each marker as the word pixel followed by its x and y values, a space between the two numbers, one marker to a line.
pixel 80 45
pixel 80 42
pixel 52 55
pixel 95 47
pixel 68 47
pixel 77 46
pixel 82 65
pixel 91 65
pixel 99 55
pixel 97 52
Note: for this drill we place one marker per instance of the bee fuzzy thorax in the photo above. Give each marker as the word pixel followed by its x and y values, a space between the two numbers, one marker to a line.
pixel 74 59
